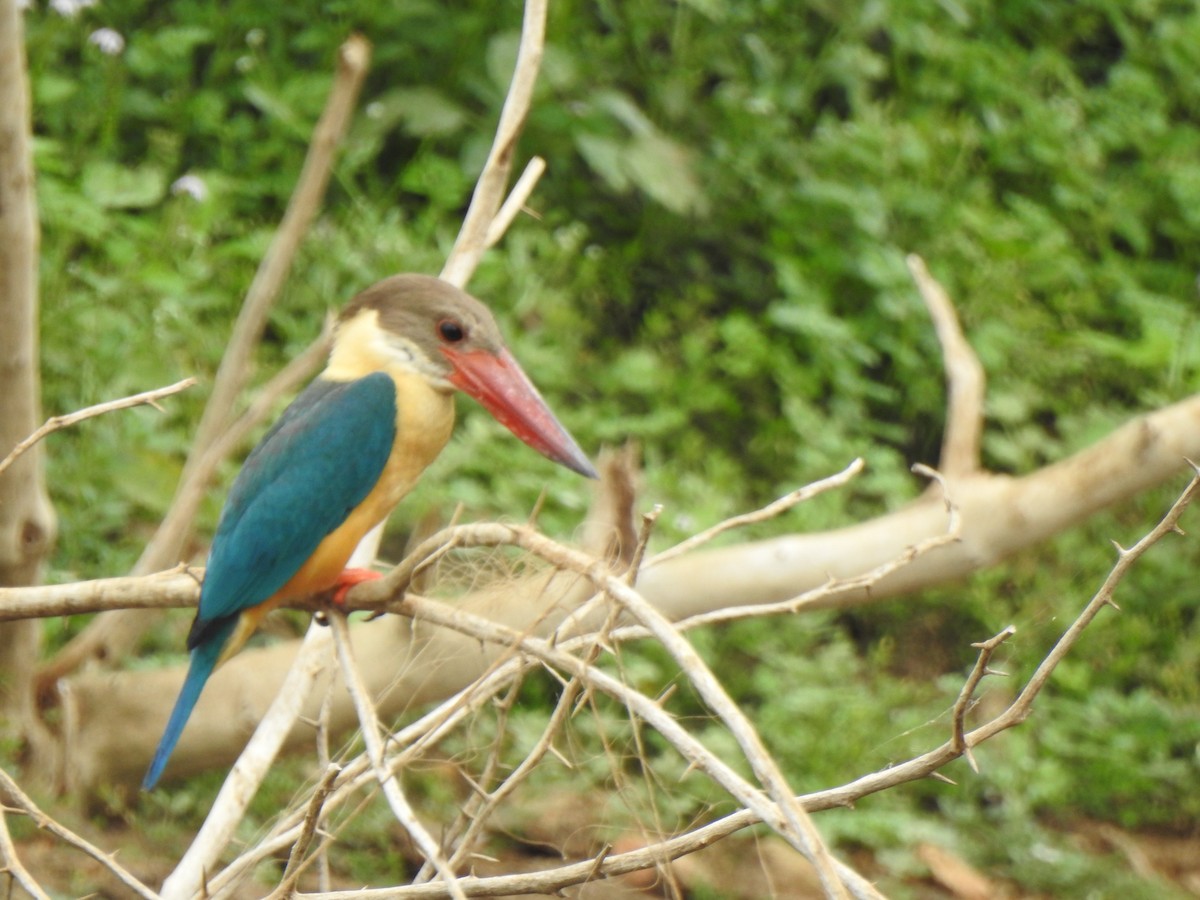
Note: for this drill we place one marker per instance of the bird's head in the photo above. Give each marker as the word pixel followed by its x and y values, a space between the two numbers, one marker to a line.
pixel 426 326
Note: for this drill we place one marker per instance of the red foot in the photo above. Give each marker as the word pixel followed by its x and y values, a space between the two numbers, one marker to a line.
pixel 348 579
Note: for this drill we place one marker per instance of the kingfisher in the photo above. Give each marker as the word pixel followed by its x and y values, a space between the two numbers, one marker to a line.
pixel 345 452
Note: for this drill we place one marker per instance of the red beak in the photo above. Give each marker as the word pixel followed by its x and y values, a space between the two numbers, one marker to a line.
pixel 498 382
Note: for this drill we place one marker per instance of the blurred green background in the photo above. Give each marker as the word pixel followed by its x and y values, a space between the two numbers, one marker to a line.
pixel 715 269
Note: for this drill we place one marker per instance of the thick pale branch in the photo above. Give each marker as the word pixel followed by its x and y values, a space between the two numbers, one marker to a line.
pixel 1001 516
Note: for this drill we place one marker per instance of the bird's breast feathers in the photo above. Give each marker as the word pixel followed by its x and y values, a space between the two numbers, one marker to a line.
pixel 423 424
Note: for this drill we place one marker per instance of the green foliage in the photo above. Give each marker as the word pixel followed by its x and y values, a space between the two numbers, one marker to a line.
pixel 716 270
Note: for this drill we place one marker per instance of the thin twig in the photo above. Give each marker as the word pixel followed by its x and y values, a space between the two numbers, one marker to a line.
pixel 649 520
pixel 457 831
pixel 545 741
pixel 10 862
pixel 11 791
pixel 312 815
pixel 56 423
pixel 770 511
pixel 1021 707
pixel 515 202
pixel 963 703
pixel 825 594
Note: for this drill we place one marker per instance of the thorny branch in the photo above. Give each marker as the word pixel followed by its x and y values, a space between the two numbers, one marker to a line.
pixel 560 655
pixel 18 801
pixel 923 766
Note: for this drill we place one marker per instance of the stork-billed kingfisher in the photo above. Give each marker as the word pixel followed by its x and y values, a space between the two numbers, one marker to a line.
pixel 345 452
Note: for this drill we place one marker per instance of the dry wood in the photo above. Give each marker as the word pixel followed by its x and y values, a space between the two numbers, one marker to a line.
pixel 965 379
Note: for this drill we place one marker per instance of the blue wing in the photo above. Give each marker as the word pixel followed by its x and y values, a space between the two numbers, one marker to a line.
pixel 316 464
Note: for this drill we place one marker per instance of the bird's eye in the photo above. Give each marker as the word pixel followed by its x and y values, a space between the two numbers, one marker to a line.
pixel 451 331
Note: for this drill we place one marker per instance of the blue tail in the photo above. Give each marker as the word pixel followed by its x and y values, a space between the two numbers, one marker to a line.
pixel 204 660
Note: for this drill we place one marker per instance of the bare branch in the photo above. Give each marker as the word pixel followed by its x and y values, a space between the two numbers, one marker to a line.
pixel 369 720
pixel 477 231
pixel 11 792
pixel 963 703
pixel 56 423
pixel 515 202
pixel 770 511
pixel 229 808
pixel 965 379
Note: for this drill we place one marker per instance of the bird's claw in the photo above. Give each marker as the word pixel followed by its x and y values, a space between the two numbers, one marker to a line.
pixel 348 579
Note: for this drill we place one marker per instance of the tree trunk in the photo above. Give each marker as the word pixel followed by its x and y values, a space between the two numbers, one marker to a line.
pixel 27 525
